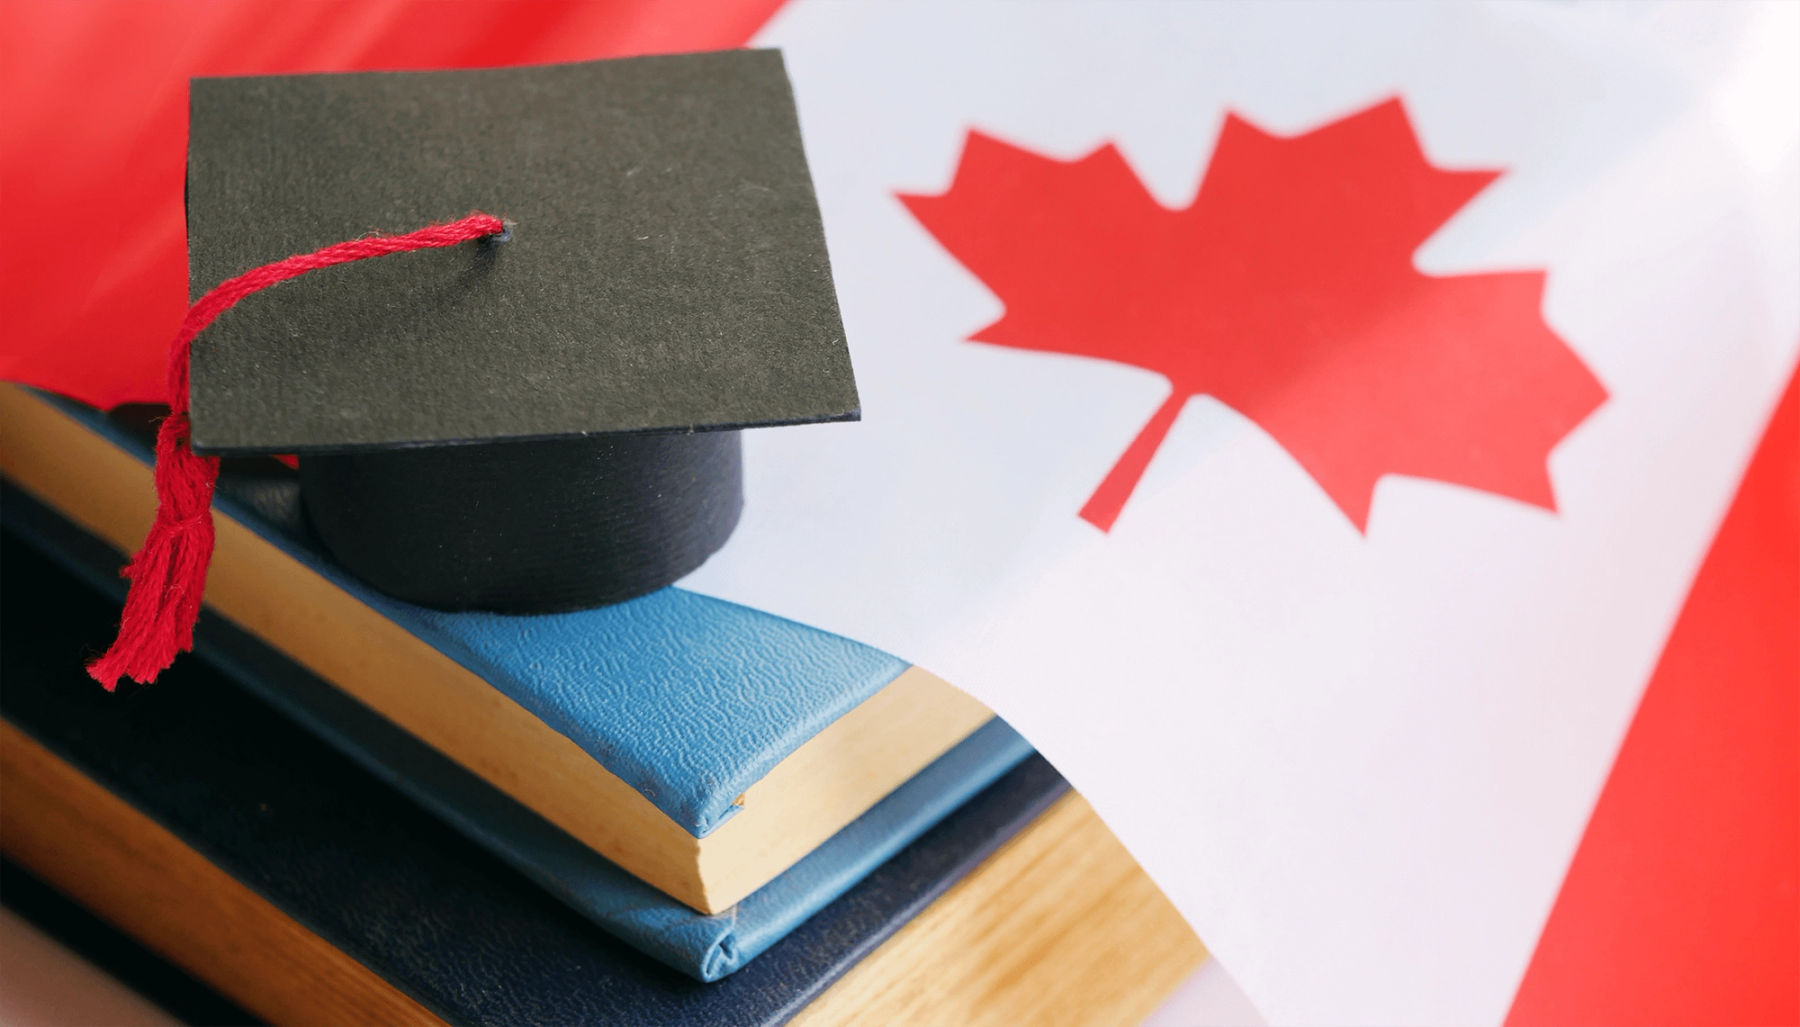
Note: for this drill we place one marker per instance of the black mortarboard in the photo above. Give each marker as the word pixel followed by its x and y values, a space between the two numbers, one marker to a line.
pixel 546 422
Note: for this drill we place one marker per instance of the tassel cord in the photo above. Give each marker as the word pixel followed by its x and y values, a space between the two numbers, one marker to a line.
pixel 168 574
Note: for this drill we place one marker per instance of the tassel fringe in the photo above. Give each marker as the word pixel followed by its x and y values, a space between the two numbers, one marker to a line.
pixel 168 575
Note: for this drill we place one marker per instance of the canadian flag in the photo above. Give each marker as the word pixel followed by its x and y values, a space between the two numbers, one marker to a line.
pixel 1357 444
pixel 1307 424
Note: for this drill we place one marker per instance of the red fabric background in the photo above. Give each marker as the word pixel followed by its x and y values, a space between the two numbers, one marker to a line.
pixel 1683 903
pixel 93 140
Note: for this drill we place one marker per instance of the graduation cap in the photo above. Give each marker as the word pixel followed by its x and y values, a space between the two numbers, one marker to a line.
pixel 541 419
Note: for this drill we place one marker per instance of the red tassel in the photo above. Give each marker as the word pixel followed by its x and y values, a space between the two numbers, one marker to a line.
pixel 168 575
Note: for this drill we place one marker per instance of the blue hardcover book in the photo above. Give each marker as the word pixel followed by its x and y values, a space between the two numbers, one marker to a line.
pixel 434 927
pixel 695 777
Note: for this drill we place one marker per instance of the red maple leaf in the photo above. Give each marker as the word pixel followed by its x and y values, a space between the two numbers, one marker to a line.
pixel 1287 290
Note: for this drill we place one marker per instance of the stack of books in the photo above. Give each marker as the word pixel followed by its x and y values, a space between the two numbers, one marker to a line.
pixel 345 808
